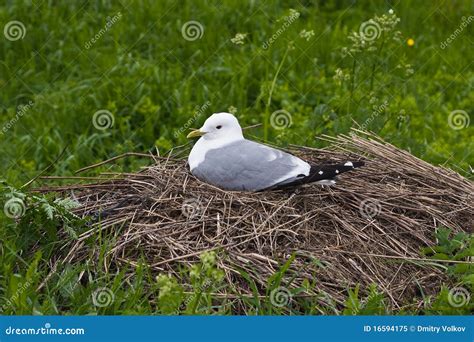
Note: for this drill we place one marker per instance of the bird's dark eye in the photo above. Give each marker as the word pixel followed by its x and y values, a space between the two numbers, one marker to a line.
pixel 219 127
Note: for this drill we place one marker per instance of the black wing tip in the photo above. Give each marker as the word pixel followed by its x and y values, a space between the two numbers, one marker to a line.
pixel 321 173
pixel 357 164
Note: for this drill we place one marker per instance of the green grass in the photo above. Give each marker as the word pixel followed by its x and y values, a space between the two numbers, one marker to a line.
pixel 153 81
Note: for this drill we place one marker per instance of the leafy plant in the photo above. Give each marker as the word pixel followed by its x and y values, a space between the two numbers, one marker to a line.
pixel 456 299
pixel 373 304
pixel 39 218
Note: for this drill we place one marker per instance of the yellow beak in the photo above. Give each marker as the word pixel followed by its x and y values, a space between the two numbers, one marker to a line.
pixel 195 134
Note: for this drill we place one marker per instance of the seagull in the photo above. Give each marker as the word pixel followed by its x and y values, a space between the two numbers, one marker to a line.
pixel 224 158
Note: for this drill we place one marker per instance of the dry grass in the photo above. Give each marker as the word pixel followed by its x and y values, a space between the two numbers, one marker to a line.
pixel 369 228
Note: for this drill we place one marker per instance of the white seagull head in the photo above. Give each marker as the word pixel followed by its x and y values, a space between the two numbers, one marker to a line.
pixel 219 126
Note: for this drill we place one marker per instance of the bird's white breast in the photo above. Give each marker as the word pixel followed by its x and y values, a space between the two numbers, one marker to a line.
pixel 197 154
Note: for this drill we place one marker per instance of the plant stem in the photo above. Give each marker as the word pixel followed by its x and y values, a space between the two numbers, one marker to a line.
pixel 354 64
pixel 267 107
pixel 372 76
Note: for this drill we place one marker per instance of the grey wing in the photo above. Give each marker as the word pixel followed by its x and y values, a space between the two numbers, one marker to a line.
pixel 249 166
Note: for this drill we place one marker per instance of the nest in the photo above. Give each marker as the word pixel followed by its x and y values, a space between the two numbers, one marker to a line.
pixel 367 229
